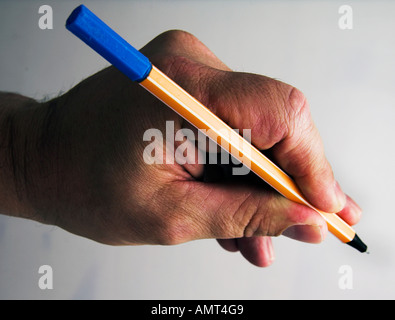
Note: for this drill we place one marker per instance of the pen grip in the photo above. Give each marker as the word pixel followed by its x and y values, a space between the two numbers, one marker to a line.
pixel 95 33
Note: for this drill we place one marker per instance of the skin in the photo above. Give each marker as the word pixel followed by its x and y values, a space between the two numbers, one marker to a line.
pixel 76 161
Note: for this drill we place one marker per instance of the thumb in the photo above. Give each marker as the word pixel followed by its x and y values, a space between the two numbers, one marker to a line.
pixel 214 210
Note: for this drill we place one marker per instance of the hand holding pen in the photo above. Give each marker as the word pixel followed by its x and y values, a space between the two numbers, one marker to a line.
pixel 100 37
pixel 86 172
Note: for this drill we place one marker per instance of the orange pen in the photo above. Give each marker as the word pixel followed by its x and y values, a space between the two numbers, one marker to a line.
pixel 95 33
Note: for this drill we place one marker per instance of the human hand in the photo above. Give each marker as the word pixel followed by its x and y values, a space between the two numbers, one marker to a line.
pixel 86 172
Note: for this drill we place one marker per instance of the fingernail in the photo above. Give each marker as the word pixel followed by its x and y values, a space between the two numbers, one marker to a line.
pixel 270 251
pixel 340 197
pixel 305 233
pixel 318 229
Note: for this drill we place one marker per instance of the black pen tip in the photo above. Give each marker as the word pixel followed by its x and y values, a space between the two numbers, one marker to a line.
pixel 358 244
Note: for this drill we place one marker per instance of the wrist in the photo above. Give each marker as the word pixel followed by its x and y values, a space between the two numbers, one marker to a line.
pixel 19 131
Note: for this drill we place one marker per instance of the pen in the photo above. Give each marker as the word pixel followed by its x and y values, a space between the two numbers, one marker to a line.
pixel 95 33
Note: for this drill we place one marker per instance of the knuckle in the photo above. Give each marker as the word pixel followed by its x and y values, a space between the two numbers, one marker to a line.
pixel 298 111
pixel 297 100
pixel 265 220
pixel 169 47
pixel 176 37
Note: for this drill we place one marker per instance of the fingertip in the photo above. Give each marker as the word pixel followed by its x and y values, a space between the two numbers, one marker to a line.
pixel 306 233
pixel 324 193
pixel 351 213
pixel 306 225
pixel 257 250
pixel 340 198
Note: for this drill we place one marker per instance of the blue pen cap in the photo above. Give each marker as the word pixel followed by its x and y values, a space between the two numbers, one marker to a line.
pixel 95 33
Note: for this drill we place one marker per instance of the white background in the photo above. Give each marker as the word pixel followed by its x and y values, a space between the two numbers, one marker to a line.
pixel 348 78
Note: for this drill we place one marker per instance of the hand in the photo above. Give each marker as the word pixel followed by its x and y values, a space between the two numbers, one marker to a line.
pixel 85 171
